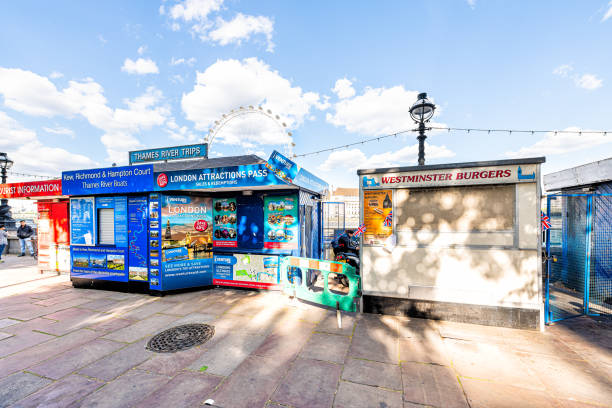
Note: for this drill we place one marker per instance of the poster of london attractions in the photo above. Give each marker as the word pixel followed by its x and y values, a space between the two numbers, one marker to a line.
pixel 224 223
pixel 281 222
pixel 247 270
pixel 186 241
pixel 377 205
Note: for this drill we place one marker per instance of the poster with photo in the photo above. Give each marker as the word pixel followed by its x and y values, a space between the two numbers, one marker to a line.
pixel 224 223
pixel 103 263
pixel 247 270
pixel 82 221
pixel 186 241
pixel 137 238
pixel 281 222
pixel 377 206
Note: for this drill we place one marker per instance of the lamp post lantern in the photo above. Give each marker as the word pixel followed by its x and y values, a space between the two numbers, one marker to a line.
pixel 5 210
pixel 421 112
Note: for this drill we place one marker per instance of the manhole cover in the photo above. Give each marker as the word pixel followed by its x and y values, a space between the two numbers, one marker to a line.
pixel 180 338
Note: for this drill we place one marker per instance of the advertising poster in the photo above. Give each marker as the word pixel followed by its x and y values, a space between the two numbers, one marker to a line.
pixel 138 240
pixel 224 223
pixel 281 222
pixel 99 263
pixel 247 271
pixel 82 221
pixel 186 241
pixel 154 242
pixel 377 206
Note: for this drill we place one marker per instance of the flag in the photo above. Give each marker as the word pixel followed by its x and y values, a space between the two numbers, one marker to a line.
pixel 360 230
pixel 545 221
pixel 388 219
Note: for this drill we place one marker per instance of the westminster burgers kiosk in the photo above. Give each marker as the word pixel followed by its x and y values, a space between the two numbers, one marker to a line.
pixel 454 242
pixel 190 223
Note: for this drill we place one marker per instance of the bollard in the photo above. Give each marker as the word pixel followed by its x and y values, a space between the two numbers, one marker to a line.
pixel 338 315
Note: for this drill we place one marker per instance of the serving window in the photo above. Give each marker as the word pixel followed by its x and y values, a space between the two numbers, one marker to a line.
pixel 471 215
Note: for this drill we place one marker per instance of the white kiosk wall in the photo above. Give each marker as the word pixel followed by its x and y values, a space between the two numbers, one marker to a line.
pixel 462 234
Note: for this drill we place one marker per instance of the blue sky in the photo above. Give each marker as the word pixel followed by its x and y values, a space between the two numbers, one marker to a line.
pixel 82 83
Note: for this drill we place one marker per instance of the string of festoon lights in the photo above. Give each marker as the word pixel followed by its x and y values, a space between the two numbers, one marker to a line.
pixel 36 176
pixel 449 129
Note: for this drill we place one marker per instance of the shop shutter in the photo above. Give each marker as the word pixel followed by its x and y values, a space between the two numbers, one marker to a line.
pixel 106 226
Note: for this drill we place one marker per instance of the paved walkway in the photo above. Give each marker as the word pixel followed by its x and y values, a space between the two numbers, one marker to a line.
pixel 16 269
pixel 63 347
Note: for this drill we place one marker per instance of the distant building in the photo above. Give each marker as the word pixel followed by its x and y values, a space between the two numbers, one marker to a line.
pixel 350 198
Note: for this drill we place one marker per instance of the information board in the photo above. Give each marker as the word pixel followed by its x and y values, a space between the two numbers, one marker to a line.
pixel 102 263
pixel 110 180
pixel 281 222
pixel 138 240
pixel 82 221
pixel 246 271
pixel 377 207
pixel 154 253
pixel 224 223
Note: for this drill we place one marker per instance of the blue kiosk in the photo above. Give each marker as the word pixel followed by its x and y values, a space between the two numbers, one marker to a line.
pixel 192 223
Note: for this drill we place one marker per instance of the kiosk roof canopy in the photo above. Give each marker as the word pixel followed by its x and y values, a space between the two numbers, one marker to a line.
pixel 532 160
pixel 209 163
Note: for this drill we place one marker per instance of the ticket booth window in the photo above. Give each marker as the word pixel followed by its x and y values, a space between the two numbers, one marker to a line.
pixel 106 226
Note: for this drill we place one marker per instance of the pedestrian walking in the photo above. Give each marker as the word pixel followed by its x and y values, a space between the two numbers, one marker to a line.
pixel 24 233
pixel 3 241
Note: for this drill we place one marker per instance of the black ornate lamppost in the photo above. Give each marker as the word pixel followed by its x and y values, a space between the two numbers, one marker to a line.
pixel 6 218
pixel 421 112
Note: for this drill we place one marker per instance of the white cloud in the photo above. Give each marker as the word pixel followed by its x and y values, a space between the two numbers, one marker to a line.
pixel 55 75
pixel 563 143
pixel 242 27
pixel 21 143
pixel 229 84
pixel 141 66
pixel 142 49
pixel 352 159
pixel 608 12
pixel 471 3
pixel 377 111
pixel 344 88
pixel 59 131
pixel 588 81
pixel 29 93
pixel 584 81
pixel 193 10
pixel 181 61
pixel 102 39
pixel 563 70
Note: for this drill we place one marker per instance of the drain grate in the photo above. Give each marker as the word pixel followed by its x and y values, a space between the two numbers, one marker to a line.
pixel 180 338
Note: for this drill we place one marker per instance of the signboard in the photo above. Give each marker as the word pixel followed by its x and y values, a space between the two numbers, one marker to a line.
pixel 154 254
pixel 291 172
pixel 281 222
pixel 219 177
pixel 119 205
pixel 377 205
pixel 31 189
pixel 111 180
pixel 186 241
pixel 452 177
pixel 138 240
pixel 246 271
pixel 224 223
pixel 169 153
pixel 103 263
pixel 82 221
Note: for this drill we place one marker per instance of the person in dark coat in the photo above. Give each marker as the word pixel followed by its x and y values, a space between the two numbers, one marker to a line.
pixel 24 233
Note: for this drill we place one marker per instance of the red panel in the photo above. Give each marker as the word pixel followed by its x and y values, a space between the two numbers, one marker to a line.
pixel 245 284
pixel 61 226
pixel 31 189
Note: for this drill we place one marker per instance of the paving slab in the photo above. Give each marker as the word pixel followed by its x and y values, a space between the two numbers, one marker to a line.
pixel 146 310
pixel 22 341
pixel 485 394
pixel 44 351
pixel 117 363
pixel 170 364
pixel 5 335
pixel 428 349
pixel 431 384
pixel 126 391
pixel 100 303
pixel 251 384
pixel 142 328
pixel 373 373
pixel 72 360
pixel 309 384
pixel 186 390
pixel 61 394
pixel 110 325
pixel 7 322
pixel 285 344
pixel 40 324
pixel 352 395
pixel 329 324
pixel 327 347
pixel 18 386
pixel 376 344
pixel 228 353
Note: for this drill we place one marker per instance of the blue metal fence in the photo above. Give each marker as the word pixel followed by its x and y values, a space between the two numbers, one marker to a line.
pixel 579 256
